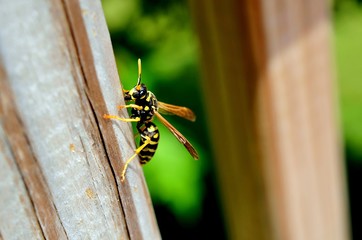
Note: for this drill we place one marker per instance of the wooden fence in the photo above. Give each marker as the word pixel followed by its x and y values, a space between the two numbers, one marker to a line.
pixel 269 88
pixel 60 162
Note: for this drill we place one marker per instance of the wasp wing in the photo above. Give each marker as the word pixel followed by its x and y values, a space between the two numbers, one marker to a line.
pixel 179 136
pixel 183 112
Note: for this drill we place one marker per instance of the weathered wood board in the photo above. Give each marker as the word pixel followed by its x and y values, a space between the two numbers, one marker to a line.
pixel 60 160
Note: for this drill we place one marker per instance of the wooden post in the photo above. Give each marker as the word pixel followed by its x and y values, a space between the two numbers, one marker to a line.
pixel 268 83
pixel 60 161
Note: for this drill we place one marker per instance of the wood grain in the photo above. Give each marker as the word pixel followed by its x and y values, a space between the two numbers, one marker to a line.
pixel 25 164
pixel 58 78
pixel 17 209
pixel 269 85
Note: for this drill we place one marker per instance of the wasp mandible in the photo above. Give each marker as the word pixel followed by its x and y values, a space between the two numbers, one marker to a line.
pixel 143 110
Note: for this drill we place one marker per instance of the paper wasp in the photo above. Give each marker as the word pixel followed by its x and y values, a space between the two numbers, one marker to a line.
pixel 143 110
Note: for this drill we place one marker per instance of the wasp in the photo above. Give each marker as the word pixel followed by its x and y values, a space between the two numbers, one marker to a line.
pixel 143 110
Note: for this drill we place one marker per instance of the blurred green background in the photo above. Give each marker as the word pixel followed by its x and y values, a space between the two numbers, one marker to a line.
pixel 184 191
pixel 347 23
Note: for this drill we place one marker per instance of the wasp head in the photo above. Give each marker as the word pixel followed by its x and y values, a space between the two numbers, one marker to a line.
pixel 138 92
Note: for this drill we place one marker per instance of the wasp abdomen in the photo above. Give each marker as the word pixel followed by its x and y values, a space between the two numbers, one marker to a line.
pixel 149 131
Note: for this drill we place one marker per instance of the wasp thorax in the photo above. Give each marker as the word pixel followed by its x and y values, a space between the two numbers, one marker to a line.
pixel 138 92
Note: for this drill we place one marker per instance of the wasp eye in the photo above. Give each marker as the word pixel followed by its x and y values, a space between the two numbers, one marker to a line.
pixel 135 94
pixel 138 92
pixel 143 90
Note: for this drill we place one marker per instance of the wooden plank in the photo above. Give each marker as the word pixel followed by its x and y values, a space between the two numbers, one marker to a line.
pixel 93 44
pixel 31 174
pixel 271 104
pixel 61 74
pixel 16 207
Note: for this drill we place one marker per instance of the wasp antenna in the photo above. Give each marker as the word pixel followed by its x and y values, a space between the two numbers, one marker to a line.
pixel 139 71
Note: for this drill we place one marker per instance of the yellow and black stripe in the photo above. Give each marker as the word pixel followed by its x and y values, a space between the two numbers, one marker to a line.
pixel 149 106
pixel 149 133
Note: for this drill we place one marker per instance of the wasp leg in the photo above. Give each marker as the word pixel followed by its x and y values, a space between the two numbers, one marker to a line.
pixel 107 116
pixel 131 106
pixel 138 150
pixel 127 96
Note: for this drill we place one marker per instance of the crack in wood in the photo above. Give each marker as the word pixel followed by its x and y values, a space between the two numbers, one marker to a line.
pixel 109 162
pixel 26 187
pixel 92 108
pixel 28 164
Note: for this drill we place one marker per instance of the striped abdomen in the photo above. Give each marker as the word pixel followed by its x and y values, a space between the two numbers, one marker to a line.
pixel 149 132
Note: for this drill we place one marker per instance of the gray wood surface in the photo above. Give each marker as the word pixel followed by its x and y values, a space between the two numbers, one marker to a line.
pixel 16 207
pixel 61 158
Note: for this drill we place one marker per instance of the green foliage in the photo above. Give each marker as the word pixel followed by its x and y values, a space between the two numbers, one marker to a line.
pixel 348 39
pixel 119 13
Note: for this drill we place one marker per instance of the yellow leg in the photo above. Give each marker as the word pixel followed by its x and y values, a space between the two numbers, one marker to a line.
pixel 107 116
pixel 138 150
pixel 131 106
pixel 126 93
